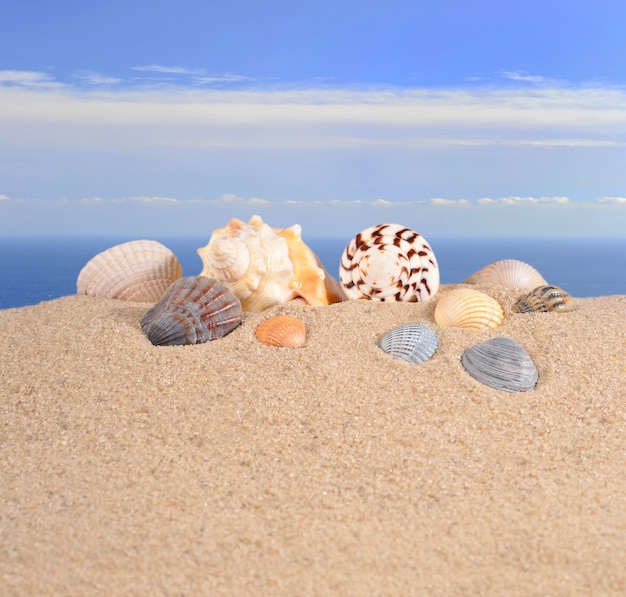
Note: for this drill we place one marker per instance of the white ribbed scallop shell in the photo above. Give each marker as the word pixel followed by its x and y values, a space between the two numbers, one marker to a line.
pixel 508 272
pixel 389 262
pixel 139 270
pixel 410 342
pixel 264 266
pixel 468 308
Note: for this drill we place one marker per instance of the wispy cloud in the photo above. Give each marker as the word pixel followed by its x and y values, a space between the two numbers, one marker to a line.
pixel 616 200
pixel 175 70
pixel 94 78
pixel 31 79
pixel 4 197
pixel 521 76
pixel 523 200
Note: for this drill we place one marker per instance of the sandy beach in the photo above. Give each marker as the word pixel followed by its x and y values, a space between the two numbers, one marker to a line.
pixel 233 468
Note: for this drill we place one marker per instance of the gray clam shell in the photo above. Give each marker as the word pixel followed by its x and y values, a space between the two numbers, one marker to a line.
pixel 410 342
pixel 501 363
pixel 192 310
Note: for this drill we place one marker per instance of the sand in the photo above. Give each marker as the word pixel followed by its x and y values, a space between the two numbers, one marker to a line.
pixel 232 468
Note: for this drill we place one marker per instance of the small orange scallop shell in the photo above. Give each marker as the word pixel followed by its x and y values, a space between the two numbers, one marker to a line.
pixel 283 331
pixel 468 308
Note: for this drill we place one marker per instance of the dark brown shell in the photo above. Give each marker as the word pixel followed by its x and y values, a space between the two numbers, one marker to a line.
pixel 192 310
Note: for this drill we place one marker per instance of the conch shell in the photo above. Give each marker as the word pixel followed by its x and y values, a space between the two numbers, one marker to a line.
pixel 265 266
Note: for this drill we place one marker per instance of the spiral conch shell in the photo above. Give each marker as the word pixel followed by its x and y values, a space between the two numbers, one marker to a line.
pixel 468 308
pixel 192 310
pixel 264 266
pixel 508 272
pixel 282 331
pixel 389 262
pixel 139 270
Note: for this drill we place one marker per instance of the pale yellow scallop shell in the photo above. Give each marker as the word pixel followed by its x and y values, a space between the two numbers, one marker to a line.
pixel 283 331
pixel 468 308
pixel 511 273
pixel 139 270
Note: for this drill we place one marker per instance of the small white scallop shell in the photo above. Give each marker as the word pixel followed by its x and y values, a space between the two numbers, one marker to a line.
pixel 468 308
pixel 511 273
pixel 389 262
pixel 545 298
pixel 410 342
pixel 139 270
pixel 192 310
pixel 501 363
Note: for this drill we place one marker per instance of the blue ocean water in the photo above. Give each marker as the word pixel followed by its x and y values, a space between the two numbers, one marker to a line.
pixel 40 269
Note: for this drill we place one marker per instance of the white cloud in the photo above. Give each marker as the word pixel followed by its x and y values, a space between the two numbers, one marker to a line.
pixel 4 197
pixel 94 78
pixel 521 76
pixel 523 200
pixel 225 78
pixel 31 79
pixel 453 202
pixel 176 70
pixel 617 200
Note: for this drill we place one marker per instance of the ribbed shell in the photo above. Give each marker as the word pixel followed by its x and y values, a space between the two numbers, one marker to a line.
pixel 468 308
pixel 282 331
pixel 389 262
pixel 545 298
pixel 139 270
pixel 192 310
pixel 511 273
pixel 501 363
pixel 410 342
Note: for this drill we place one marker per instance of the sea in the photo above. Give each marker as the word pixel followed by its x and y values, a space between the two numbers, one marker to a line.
pixel 39 269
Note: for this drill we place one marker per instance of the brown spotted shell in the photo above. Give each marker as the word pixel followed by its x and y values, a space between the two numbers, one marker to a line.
pixel 283 331
pixel 511 273
pixel 389 262
pixel 192 310
pixel 545 298
pixel 139 270
pixel 468 308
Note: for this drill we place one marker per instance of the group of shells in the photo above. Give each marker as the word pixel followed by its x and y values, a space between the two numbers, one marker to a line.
pixel 250 267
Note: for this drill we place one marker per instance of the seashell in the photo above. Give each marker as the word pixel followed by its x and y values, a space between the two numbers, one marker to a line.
pixel 265 266
pixel 192 310
pixel 468 308
pixel 545 298
pixel 508 272
pixel 139 270
pixel 410 342
pixel 389 262
pixel 501 363
pixel 283 331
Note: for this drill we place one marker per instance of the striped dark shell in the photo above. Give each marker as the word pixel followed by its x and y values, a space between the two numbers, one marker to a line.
pixel 192 310
pixel 501 363
pixel 545 298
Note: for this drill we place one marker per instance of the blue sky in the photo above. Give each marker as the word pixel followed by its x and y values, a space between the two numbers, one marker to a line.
pixel 456 118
